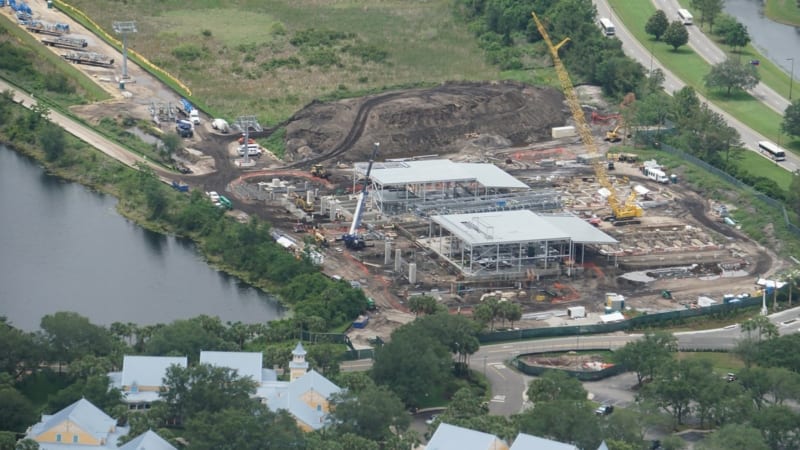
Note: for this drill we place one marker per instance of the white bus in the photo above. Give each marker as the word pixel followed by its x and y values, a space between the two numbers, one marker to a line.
pixel 607 26
pixel 771 151
pixel 685 16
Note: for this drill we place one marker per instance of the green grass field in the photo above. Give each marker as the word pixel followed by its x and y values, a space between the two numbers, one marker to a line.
pixel 236 56
pixel 688 66
pixel 723 362
pixel 783 11
pixel 771 75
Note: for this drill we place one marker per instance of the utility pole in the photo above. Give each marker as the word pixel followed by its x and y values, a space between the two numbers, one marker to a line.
pixel 124 28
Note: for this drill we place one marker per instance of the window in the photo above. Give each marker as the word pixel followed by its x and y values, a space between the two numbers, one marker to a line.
pixel 58 437
pixel 74 438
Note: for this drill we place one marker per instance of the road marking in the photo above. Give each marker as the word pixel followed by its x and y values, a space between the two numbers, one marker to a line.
pixel 499 398
pixel 498 371
pixel 498 365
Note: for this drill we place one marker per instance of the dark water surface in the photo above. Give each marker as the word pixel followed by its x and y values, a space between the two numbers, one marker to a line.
pixel 65 248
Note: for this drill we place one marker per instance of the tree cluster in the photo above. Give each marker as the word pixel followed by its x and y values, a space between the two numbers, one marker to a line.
pixel 502 27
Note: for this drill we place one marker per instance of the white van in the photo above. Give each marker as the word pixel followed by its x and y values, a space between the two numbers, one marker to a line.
pixel 685 16
pixel 252 150
pixel 194 116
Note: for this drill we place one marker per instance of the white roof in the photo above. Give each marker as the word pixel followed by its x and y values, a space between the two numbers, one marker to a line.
pixel 579 230
pixel 528 442
pixel 83 414
pixel 290 396
pixel 439 170
pixel 148 370
pixel 451 437
pixel 500 227
pixel 247 364
pixel 613 317
pixel 148 440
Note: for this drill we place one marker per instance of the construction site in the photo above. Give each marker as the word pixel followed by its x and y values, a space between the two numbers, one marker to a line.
pixel 476 189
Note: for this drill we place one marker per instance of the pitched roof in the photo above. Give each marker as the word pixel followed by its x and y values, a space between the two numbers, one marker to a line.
pixel 603 446
pixel 148 370
pixel 82 413
pixel 451 437
pixel 148 440
pixel 299 350
pixel 288 396
pixel 528 442
pixel 246 364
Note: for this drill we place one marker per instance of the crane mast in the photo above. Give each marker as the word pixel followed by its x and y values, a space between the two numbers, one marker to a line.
pixel 351 239
pixel 624 213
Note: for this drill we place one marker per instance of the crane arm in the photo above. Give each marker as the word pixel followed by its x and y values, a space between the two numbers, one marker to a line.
pixel 362 196
pixel 630 209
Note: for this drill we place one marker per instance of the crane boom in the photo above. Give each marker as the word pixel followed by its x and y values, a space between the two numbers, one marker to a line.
pixel 351 239
pixel 628 210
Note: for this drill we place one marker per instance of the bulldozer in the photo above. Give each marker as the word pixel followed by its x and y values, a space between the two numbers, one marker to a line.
pixel 319 171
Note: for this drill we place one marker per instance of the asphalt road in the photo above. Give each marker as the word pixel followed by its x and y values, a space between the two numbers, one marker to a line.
pixel 86 134
pixel 509 385
pixel 707 50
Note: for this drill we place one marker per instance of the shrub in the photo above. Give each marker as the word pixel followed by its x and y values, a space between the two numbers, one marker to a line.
pixel 188 52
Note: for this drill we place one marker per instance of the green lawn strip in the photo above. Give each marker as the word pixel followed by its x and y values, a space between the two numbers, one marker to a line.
pixel 723 362
pixel 758 164
pixel 691 68
pixel 771 74
pixel 783 11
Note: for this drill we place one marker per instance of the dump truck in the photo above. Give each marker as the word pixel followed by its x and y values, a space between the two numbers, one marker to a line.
pixel 184 128
pixel 318 170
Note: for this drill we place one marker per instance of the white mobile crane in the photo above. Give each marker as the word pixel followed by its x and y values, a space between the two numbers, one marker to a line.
pixel 352 239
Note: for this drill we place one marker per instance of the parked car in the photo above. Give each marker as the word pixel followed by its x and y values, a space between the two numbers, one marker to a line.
pixel 432 419
pixel 604 410
pixel 730 377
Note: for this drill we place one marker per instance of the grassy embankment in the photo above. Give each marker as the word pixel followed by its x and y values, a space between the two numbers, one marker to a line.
pixel 691 68
pixel 241 61
pixel 783 11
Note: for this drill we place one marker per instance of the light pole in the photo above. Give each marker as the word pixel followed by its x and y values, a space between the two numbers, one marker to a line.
pixel 791 78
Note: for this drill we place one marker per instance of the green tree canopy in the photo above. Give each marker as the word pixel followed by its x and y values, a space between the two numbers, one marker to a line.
pixel 647 355
pixel 555 385
pixel 676 35
pixel 189 337
pixel 731 75
pixel 252 428
pixel 738 36
pixel 71 336
pixel 202 387
pixel 657 24
pixel 791 119
pixel 374 413
pixel 734 436
pixel 16 411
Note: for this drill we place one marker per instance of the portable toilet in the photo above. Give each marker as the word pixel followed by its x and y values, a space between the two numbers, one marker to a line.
pixel 673 179
pixel 49 4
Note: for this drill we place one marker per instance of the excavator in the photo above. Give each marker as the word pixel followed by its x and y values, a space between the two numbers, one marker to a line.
pixel 623 213
pixel 319 171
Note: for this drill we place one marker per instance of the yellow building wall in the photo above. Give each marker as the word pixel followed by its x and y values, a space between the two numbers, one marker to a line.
pixel 67 429
pixel 498 445
pixel 313 398
pixel 143 388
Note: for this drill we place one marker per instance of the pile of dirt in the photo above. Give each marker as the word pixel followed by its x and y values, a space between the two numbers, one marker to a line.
pixel 417 122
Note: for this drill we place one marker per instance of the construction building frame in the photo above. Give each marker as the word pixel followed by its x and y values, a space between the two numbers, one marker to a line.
pixel 517 244
pixel 441 186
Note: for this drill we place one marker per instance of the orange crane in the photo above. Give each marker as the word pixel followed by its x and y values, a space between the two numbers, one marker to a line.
pixel 624 213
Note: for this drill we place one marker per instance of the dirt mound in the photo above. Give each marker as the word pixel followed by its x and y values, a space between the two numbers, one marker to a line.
pixel 424 121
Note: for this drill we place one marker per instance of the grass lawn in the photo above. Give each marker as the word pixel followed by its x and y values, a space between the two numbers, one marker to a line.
pixel 723 362
pixel 771 74
pixel 783 11
pixel 243 57
pixel 691 68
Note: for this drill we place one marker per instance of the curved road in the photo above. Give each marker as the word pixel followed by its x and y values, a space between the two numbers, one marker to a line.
pixel 509 385
pixel 634 49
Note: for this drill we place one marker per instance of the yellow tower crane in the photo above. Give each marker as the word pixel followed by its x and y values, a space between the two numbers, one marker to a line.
pixel 624 213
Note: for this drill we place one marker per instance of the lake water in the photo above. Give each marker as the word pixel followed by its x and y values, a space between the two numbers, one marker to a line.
pixel 776 41
pixel 65 248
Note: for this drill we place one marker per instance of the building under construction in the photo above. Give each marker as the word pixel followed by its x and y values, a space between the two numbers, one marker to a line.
pixel 440 186
pixel 512 244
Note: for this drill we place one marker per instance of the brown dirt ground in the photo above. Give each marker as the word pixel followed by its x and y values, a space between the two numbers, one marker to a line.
pixel 476 118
